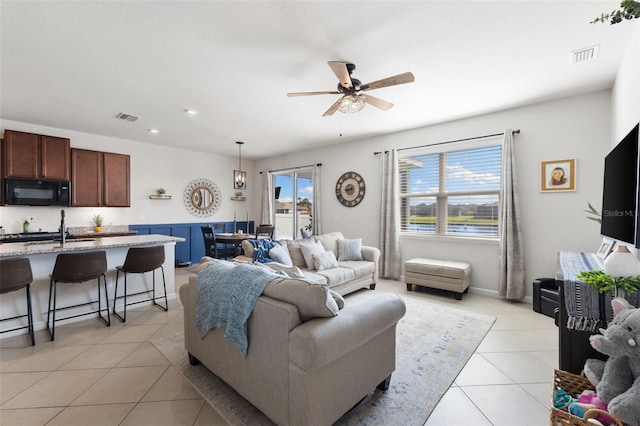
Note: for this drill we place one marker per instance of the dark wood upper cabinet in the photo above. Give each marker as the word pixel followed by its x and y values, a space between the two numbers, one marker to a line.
pixel 29 155
pixel 116 180
pixel 86 178
pixel 99 179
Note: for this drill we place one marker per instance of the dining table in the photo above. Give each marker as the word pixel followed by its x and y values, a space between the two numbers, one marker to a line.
pixel 234 239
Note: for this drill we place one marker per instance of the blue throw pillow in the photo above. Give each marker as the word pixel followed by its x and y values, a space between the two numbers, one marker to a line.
pixel 261 249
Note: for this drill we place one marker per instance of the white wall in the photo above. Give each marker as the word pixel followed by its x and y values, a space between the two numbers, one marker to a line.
pixel 625 109
pixel 576 127
pixel 152 166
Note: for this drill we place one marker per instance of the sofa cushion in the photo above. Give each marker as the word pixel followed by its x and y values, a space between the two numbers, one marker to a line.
pixel 281 255
pixel 350 249
pixel 247 248
pixel 295 252
pixel 309 247
pixel 330 241
pixel 325 260
pixel 337 276
pixel 360 268
pixel 314 276
pixel 313 300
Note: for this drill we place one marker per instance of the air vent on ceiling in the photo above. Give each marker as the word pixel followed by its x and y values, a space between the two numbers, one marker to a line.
pixel 127 117
pixel 583 55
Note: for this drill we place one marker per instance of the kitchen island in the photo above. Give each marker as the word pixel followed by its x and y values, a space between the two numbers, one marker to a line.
pixel 42 255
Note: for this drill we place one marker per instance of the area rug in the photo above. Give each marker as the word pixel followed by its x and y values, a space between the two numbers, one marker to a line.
pixel 433 344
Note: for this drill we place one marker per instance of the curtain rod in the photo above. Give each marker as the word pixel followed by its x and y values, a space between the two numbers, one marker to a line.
pixel 517 131
pixel 295 168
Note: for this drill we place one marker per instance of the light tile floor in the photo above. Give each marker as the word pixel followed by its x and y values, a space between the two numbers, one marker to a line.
pixel 97 375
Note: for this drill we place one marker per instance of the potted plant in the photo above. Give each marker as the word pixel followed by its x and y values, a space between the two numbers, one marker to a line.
pixel 97 221
pixel 160 191
pixel 617 286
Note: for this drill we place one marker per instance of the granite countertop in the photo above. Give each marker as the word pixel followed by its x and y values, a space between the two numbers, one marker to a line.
pixel 81 244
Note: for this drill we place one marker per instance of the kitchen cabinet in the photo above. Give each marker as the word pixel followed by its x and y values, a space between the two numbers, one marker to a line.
pixel 99 179
pixel 30 155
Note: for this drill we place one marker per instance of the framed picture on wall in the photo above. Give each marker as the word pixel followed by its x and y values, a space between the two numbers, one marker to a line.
pixel 558 175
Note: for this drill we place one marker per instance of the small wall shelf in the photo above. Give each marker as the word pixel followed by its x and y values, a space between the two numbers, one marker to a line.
pixel 160 197
pixel 238 198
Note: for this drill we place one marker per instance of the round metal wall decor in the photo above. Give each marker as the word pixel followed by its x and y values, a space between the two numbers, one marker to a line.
pixel 350 189
pixel 202 197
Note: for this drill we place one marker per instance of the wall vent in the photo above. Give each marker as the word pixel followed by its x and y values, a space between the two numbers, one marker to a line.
pixel 584 55
pixel 127 117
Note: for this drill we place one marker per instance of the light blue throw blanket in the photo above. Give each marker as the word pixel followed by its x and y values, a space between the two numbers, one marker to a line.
pixel 226 294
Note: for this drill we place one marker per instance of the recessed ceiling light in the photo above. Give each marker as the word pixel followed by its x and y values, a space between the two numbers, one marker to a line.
pixel 191 111
pixel 154 131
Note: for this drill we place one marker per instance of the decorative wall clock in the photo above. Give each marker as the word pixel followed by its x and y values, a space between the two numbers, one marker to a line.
pixel 350 189
pixel 202 197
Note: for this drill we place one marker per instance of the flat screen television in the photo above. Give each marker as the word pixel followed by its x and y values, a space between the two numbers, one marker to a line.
pixel 621 191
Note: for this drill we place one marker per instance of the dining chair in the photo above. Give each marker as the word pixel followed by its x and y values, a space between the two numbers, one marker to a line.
pixel 212 247
pixel 264 231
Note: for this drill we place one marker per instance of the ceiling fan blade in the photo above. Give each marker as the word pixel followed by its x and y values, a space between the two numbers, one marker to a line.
pixel 377 102
pixel 333 108
pixel 340 70
pixel 406 77
pixel 312 93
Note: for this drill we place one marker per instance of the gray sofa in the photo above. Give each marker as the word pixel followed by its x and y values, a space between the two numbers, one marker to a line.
pixel 347 277
pixel 302 371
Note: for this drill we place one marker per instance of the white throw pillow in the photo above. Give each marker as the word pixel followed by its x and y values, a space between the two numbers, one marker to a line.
pixel 309 248
pixel 350 249
pixel 323 261
pixel 280 255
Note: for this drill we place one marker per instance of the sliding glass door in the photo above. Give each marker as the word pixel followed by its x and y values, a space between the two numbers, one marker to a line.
pixel 293 202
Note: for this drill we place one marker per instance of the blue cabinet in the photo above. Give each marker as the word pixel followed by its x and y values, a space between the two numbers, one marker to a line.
pixel 192 249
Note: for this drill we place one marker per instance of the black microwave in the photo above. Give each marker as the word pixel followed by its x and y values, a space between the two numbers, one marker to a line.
pixel 34 192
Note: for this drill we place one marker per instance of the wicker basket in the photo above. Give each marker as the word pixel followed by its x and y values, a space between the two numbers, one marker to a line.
pixel 573 385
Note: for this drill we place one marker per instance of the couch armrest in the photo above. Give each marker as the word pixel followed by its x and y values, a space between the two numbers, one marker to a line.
pixel 316 343
pixel 372 254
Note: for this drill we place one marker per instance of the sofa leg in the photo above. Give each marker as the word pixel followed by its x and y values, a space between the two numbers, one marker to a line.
pixel 384 385
pixel 193 360
pixel 372 286
pixel 409 287
pixel 458 296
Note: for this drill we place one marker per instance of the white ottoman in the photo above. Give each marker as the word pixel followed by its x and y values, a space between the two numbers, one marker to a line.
pixel 441 274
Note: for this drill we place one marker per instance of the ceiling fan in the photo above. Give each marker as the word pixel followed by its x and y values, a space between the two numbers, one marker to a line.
pixel 353 99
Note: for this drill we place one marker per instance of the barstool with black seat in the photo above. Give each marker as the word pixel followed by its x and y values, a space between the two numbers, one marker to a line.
pixel 77 268
pixel 15 274
pixel 141 260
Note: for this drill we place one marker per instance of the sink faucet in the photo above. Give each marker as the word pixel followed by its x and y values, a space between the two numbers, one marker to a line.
pixel 63 230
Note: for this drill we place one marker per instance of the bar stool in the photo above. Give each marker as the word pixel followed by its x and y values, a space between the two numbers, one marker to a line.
pixel 77 268
pixel 140 260
pixel 15 273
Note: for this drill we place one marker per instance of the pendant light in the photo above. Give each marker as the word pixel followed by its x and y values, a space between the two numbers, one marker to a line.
pixel 239 176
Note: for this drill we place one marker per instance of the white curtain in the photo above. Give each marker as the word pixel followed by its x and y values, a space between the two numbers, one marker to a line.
pixel 511 277
pixel 266 210
pixel 317 205
pixel 390 265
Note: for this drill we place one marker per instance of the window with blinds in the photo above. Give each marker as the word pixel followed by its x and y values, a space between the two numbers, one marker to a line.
pixel 451 192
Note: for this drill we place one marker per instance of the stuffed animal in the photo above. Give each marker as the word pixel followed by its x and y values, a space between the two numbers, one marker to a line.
pixel 617 380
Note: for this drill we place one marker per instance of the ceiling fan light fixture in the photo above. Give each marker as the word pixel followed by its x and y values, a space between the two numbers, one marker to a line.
pixel 351 104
